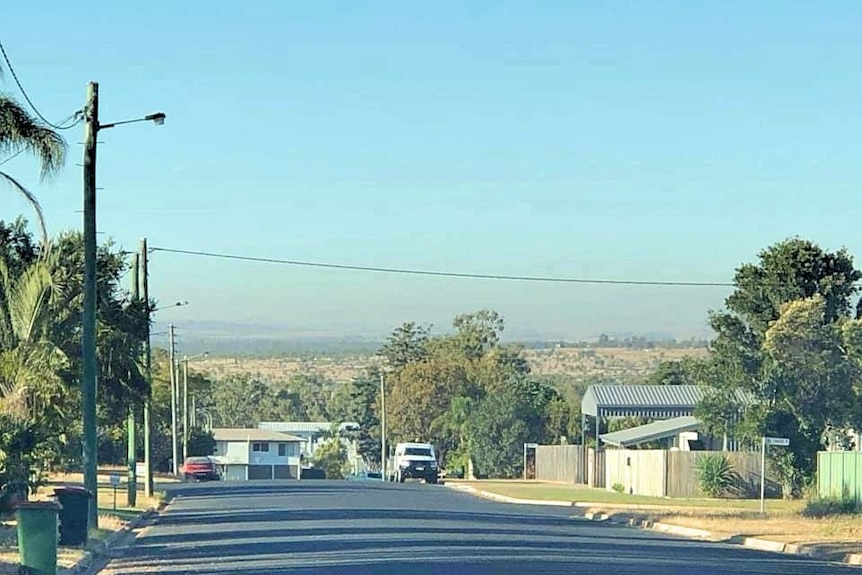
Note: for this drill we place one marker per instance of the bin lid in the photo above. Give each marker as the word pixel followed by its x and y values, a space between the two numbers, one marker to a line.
pixel 72 490
pixel 39 505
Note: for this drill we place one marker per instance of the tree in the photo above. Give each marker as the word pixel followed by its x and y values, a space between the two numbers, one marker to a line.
pixel 201 443
pixel 32 396
pixel 332 458
pixel 238 401
pixel 686 371
pixel 406 344
pixel 780 342
pixel 364 409
pixel 20 132
pixel 498 430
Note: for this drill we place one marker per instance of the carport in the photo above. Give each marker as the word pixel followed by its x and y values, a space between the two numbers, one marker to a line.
pixel 666 428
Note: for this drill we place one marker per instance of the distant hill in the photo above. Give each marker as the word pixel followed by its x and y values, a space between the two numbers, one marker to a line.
pixel 259 340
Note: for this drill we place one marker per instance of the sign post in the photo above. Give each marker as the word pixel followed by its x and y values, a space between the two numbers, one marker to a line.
pixel 115 483
pixel 777 441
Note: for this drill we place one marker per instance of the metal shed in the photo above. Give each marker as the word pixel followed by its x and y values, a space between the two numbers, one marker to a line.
pixel 649 401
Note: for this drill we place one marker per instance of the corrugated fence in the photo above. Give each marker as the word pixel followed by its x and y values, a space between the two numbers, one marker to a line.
pixel 839 475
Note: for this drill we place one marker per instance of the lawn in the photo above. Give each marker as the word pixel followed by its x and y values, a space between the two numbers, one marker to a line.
pixel 725 518
pixel 584 494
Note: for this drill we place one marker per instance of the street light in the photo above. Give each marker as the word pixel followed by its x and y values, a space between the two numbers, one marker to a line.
pixel 186 360
pixel 173 305
pixel 88 336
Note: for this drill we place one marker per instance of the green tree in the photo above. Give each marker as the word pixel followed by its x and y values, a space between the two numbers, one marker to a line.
pixel 686 371
pixel 20 132
pixel 498 430
pixel 32 395
pixel 778 341
pixel 238 401
pixel 201 442
pixel 364 410
pixel 332 458
pixel 406 344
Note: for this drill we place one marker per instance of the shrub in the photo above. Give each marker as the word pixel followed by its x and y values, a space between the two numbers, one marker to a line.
pixel 618 487
pixel 824 506
pixel 715 474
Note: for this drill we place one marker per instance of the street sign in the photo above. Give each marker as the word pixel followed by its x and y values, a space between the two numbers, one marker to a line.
pixel 779 441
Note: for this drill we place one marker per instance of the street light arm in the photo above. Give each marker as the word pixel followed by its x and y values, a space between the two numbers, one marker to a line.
pixel 158 119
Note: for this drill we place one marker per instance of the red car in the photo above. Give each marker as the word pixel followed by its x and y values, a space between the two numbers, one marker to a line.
pixel 200 469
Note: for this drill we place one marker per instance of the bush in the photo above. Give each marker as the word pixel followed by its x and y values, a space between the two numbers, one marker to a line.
pixel 822 507
pixel 715 474
pixel 618 487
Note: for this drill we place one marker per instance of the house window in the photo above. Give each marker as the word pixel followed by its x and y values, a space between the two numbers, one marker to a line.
pixel 260 447
pixel 282 449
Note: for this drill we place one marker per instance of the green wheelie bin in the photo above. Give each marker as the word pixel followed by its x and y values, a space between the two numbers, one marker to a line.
pixel 74 515
pixel 37 536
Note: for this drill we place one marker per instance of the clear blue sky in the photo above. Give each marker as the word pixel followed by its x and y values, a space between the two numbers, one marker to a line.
pixel 650 140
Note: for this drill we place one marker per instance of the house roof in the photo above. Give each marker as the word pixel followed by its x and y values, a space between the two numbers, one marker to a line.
pixel 656 401
pixel 651 431
pixel 303 426
pixel 251 434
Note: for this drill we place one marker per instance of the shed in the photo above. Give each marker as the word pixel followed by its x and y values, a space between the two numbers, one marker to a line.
pixel 648 401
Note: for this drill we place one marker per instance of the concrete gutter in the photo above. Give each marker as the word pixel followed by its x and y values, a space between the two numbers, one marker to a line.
pixel 814 551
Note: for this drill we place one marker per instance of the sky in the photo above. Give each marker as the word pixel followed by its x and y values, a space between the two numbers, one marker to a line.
pixel 666 141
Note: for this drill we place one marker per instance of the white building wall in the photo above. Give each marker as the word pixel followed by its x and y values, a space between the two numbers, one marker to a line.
pixel 232 452
pixel 272 457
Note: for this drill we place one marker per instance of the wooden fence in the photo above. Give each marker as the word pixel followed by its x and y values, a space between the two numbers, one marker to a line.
pixel 563 463
pixel 662 473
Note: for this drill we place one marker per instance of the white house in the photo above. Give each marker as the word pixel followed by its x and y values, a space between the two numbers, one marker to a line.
pixel 245 454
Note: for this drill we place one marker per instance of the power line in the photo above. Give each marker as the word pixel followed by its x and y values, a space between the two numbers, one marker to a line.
pixel 404 271
pixel 12 157
pixel 29 101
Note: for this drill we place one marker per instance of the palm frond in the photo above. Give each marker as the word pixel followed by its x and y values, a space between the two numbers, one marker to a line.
pixel 28 301
pixel 37 207
pixel 21 131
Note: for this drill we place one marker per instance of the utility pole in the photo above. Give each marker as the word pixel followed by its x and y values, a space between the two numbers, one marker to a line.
pixel 88 332
pixel 382 429
pixel 185 406
pixel 148 404
pixel 132 435
pixel 173 400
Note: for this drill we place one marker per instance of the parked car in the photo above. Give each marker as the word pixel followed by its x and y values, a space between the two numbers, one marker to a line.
pixel 200 469
pixel 414 461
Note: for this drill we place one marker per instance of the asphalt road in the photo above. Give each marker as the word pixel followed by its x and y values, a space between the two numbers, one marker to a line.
pixel 328 528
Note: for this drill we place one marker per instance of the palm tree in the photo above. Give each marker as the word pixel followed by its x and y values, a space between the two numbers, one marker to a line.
pixel 29 361
pixel 20 132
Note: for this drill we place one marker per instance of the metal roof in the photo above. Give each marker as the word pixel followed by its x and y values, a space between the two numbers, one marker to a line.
pixel 651 431
pixel 304 426
pixel 252 434
pixel 655 401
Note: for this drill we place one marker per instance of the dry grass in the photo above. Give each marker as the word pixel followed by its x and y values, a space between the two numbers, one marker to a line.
pixel 725 518
pixel 624 365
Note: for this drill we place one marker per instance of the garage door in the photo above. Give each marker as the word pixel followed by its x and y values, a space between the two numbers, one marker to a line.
pixel 260 471
pixel 284 472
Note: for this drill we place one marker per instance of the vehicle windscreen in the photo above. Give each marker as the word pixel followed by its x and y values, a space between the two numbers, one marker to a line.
pixel 422 451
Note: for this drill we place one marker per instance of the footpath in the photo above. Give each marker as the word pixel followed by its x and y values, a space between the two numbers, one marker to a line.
pixel 638 516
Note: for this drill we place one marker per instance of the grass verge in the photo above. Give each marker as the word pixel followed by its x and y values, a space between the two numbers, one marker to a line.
pixel 725 518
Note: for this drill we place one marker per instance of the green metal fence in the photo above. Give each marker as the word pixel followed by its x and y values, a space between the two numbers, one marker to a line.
pixel 839 474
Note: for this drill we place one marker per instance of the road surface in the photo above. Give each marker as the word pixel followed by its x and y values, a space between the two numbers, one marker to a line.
pixel 328 528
